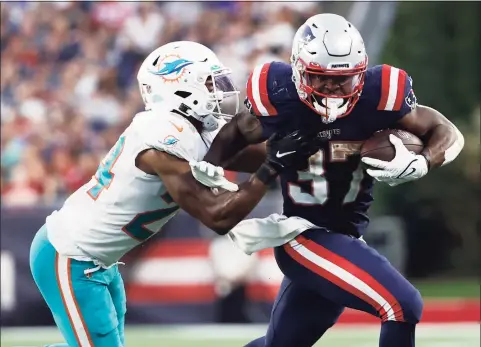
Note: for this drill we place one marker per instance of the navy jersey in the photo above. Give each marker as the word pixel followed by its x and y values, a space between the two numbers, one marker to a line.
pixel 335 192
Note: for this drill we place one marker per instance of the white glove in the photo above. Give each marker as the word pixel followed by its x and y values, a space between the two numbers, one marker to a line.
pixel 406 166
pixel 211 176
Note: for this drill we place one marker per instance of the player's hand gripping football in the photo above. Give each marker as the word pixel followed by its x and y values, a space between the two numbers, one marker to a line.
pixel 406 166
pixel 211 176
pixel 292 150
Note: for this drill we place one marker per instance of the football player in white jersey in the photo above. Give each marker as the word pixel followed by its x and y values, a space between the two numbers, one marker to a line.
pixel 154 169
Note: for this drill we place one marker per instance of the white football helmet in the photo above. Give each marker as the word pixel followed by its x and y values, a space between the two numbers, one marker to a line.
pixel 329 62
pixel 189 78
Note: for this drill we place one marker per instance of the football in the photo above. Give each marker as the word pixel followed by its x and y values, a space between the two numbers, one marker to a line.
pixel 379 146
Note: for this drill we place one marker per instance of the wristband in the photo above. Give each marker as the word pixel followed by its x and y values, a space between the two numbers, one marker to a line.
pixel 266 174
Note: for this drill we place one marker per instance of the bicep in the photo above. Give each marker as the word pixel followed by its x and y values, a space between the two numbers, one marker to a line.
pixel 421 120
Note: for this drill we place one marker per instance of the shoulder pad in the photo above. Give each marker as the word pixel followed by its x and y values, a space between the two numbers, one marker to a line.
pixel 264 86
pixel 394 86
pixel 169 134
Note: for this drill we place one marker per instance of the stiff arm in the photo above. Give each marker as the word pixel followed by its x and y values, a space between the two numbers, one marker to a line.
pixel 219 212
pixel 239 145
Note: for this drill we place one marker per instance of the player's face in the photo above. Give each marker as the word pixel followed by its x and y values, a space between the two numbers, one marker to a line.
pixel 335 86
pixel 223 83
pixel 330 92
pixel 209 84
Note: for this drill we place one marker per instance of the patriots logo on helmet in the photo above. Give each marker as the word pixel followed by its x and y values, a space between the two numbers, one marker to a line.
pixel 171 67
pixel 307 34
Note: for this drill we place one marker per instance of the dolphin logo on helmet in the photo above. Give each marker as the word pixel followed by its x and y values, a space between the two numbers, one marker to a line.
pixel 175 66
pixel 171 67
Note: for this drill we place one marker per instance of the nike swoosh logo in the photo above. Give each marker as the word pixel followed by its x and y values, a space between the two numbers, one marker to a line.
pixel 413 170
pixel 280 155
pixel 179 128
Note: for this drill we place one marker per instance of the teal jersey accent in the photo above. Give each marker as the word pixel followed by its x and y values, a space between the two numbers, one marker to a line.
pixel 104 174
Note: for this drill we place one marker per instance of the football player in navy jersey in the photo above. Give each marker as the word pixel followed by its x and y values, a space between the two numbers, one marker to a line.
pixel 329 90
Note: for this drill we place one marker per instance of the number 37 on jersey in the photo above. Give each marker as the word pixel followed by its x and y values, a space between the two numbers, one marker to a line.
pixel 315 175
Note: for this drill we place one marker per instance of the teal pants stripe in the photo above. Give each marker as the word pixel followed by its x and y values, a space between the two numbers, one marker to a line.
pixel 89 309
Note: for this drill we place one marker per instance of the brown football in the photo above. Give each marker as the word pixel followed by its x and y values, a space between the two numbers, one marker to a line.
pixel 379 146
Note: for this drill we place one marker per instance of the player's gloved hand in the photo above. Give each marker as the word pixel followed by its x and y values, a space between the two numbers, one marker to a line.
pixel 211 176
pixel 406 166
pixel 292 150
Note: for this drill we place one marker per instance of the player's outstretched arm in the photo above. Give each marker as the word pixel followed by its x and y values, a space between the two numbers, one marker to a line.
pixel 221 212
pixel 239 144
pixel 443 141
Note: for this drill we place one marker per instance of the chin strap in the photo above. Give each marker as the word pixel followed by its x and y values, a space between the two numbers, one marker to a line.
pixel 333 105
pixel 209 122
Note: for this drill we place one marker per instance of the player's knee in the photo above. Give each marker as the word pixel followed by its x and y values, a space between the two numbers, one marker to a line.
pixel 412 306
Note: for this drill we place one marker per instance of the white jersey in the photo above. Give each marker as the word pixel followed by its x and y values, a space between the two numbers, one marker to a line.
pixel 123 206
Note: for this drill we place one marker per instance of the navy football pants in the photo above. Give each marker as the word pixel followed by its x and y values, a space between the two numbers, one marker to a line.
pixel 325 272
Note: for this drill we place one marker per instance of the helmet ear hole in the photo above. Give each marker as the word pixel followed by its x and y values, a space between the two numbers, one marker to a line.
pixel 195 102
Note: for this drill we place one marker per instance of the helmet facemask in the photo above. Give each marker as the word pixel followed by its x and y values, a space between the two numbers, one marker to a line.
pixel 222 93
pixel 331 92
pixel 206 94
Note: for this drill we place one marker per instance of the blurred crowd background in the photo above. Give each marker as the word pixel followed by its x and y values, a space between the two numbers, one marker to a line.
pixel 68 85
pixel 68 89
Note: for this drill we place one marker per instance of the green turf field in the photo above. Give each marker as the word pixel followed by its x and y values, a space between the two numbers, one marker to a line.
pixel 459 288
pixel 428 335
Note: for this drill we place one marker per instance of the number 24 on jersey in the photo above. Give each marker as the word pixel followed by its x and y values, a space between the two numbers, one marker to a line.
pixel 104 174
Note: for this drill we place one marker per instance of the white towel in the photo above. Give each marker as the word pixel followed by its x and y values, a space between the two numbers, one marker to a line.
pixel 253 235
